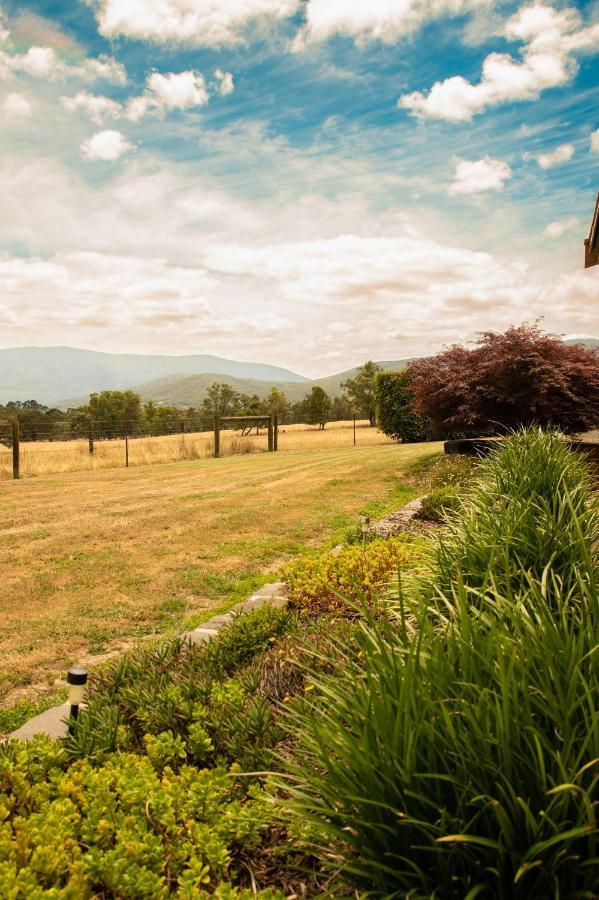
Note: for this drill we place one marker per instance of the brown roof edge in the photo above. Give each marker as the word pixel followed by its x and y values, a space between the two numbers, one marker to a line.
pixel 591 245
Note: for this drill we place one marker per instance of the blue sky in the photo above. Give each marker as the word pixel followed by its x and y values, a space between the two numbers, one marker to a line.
pixel 307 183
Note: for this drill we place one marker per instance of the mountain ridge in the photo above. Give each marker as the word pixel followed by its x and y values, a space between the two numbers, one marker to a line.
pixel 51 374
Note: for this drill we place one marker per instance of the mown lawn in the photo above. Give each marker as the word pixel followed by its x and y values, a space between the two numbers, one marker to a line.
pixel 92 561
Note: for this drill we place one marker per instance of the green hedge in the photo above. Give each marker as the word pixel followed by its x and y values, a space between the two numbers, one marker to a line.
pixel 395 416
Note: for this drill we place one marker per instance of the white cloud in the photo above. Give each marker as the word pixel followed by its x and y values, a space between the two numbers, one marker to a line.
pixel 551 39
pixel 178 90
pixel 98 108
pixel 106 145
pixel 562 226
pixel 262 268
pixel 595 142
pixel 16 106
pixel 171 90
pixel 197 22
pixel 561 154
pixel 225 80
pixel 476 176
pixel 44 62
pixel 383 20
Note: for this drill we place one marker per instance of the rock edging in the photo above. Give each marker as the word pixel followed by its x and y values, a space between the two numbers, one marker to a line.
pixel 53 722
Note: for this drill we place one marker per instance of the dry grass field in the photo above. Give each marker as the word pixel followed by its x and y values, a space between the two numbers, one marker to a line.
pixel 93 561
pixel 53 457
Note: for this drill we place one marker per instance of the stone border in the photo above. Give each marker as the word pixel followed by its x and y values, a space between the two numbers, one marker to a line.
pixel 53 722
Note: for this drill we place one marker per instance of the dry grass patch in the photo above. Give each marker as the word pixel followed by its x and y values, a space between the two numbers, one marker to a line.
pixel 93 560
pixel 55 457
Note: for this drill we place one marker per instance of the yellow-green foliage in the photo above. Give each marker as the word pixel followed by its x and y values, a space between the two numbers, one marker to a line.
pixel 137 826
pixel 357 574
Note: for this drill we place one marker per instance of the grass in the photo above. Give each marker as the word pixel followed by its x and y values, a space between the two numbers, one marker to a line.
pixel 49 457
pixel 93 561
pixel 17 715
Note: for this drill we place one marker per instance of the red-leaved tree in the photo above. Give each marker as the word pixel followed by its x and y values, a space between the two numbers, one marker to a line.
pixel 520 377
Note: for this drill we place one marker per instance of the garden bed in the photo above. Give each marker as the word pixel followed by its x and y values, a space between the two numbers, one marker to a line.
pixel 397 731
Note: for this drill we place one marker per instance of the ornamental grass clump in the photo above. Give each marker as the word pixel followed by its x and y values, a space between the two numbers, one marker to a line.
pixel 464 762
pixel 532 506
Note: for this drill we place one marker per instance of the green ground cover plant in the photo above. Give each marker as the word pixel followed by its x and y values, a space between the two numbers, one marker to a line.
pixel 137 826
pixel 355 575
pixel 199 697
pixel 462 760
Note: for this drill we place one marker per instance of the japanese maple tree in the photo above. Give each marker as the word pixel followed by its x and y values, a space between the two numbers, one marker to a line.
pixel 519 377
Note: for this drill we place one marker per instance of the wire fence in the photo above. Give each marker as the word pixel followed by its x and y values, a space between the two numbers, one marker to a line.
pixel 110 445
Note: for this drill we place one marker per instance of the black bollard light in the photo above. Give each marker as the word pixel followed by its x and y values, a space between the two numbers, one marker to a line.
pixel 76 680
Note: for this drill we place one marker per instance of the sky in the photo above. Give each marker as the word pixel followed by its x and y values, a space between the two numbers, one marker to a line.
pixel 308 183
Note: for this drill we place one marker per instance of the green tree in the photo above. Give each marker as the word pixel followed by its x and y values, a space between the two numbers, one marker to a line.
pixel 396 416
pixel 276 403
pixel 361 390
pixel 318 407
pixel 110 413
pixel 221 400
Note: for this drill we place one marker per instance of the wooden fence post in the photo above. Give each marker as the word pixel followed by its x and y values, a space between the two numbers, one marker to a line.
pixel 16 447
pixel 270 435
pixel 90 440
pixel 127 445
pixel 276 434
pixel 354 431
pixel 216 437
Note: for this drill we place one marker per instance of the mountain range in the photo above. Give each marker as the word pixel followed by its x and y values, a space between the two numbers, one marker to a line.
pixel 65 376
pixel 51 375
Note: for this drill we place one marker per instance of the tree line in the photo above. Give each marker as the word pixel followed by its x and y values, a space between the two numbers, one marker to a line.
pixel 519 377
pixel 109 414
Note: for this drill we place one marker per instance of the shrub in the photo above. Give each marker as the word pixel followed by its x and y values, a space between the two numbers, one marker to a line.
pixel 138 826
pixel 356 574
pixel 395 414
pixel 465 763
pixel 439 502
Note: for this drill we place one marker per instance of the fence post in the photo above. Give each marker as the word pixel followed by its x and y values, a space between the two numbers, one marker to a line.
pixel 276 434
pixel 354 431
pixel 270 435
pixel 90 440
pixel 216 437
pixel 16 447
pixel 127 445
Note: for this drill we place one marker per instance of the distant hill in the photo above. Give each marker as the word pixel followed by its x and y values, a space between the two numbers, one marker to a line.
pixel 51 374
pixel 585 342
pixel 189 390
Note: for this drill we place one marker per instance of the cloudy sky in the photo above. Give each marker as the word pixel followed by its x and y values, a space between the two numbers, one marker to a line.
pixel 303 182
